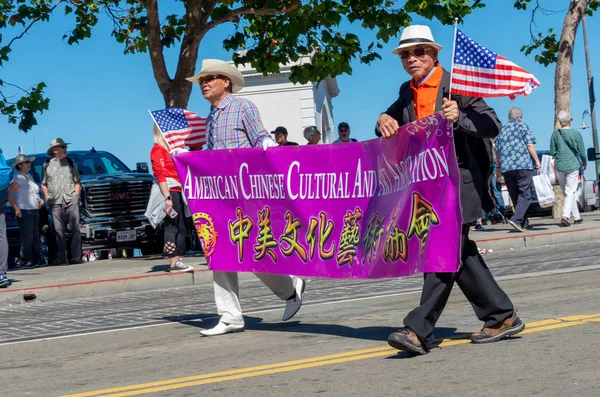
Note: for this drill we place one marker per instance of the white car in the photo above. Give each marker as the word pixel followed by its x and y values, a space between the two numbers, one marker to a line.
pixel 587 194
pixel 587 198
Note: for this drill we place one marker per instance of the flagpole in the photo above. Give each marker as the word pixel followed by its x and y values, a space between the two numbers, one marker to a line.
pixel 453 49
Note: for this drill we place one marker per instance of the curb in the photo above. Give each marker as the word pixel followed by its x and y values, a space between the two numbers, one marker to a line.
pixel 88 289
pixel 147 282
pixel 524 240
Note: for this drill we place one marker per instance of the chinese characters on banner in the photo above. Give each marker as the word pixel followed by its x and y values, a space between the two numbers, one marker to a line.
pixel 380 208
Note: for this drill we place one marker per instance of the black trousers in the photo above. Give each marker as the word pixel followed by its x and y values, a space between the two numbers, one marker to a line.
pixel 489 301
pixel 29 230
pixel 519 184
pixel 175 228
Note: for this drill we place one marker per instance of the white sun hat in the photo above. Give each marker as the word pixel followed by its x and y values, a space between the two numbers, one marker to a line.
pixel 414 35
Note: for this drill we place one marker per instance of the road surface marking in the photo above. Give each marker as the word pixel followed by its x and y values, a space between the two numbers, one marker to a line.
pixel 269 369
pixel 323 303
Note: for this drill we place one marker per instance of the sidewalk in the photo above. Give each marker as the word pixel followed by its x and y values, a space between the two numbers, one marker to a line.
pixel 107 277
pixel 545 231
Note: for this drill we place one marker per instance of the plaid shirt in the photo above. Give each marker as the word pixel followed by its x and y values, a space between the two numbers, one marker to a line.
pixel 235 123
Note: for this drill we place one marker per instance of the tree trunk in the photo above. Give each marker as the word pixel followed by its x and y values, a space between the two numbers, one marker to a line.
pixel 558 205
pixel 564 63
pixel 176 92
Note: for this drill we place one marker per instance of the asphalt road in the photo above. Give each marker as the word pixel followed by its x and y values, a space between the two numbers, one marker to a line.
pixel 134 344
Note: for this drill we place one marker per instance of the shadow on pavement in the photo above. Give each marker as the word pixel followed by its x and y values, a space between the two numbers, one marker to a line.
pixel 13 280
pixel 159 268
pixel 376 333
pixel 194 320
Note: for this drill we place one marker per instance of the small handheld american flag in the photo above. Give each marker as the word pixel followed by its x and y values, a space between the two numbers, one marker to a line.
pixel 480 72
pixel 180 127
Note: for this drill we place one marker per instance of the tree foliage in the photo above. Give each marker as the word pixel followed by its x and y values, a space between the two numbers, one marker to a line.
pixel 267 33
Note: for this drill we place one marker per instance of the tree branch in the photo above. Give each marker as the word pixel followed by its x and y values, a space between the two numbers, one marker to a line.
pixel 250 11
pixel 208 9
pixel 155 46
pixel 532 21
pixel 33 21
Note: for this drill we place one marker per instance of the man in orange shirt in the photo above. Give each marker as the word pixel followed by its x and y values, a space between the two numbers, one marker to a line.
pixel 475 123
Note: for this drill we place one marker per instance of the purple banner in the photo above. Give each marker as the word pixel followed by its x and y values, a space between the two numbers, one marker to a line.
pixel 380 208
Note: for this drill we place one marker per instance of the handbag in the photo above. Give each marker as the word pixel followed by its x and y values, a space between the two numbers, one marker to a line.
pixel 544 191
pixel 562 134
pixel 548 168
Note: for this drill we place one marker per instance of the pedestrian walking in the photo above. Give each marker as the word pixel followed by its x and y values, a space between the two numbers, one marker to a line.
pixel 474 123
pixel 516 159
pixel 496 189
pixel 568 151
pixel 234 122
pixel 175 207
pixel 24 196
pixel 344 133
pixel 4 184
pixel 61 185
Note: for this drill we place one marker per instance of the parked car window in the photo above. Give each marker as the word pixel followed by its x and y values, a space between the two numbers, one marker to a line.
pixel 98 163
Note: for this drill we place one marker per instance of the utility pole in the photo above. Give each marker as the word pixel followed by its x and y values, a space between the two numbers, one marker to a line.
pixel 591 94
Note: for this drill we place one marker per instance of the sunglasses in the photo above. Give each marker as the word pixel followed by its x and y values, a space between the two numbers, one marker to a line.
pixel 419 52
pixel 344 130
pixel 208 79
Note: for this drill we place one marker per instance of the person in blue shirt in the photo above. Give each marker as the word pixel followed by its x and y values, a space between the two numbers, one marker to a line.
pixel 5 172
pixel 515 149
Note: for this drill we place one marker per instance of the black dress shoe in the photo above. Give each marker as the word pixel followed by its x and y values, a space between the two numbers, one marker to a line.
pixel 75 261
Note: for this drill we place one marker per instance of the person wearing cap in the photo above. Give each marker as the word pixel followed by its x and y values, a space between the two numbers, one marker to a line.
pixel 234 122
pixel 475 123
pixel 61 185
pixel 24 196
pixel 344 133
pixel 312 135
pixel 281 134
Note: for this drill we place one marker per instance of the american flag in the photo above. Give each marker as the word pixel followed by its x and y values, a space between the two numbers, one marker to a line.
pixel 180 127
pixel 479 72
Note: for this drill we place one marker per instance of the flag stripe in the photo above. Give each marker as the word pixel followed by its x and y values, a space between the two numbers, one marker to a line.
pixel 482 73
pixel 188 139
pixel 486 83
pixel 470 90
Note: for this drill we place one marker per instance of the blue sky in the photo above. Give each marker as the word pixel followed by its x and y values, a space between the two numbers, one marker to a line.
pixel 100 97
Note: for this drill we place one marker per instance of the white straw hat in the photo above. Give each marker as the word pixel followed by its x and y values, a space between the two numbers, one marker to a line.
pixel 414 35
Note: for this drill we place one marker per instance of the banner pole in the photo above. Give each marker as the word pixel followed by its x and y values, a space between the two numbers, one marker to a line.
pixel 453 50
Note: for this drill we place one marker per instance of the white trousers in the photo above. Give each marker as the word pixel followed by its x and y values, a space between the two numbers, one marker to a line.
pixel 227 292
pixel 568 182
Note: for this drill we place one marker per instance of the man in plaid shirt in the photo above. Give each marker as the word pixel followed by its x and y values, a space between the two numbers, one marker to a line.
pixel 234 123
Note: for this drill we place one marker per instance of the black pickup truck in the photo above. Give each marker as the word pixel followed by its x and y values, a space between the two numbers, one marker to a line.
pixel 112 205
